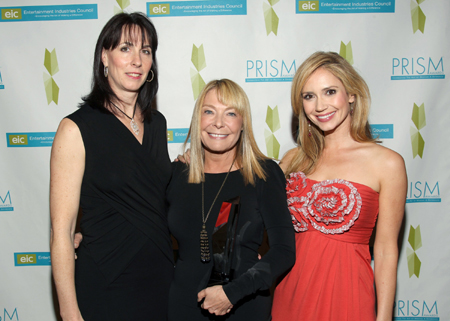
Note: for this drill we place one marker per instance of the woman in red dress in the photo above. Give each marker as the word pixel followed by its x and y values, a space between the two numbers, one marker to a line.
pixel 340 183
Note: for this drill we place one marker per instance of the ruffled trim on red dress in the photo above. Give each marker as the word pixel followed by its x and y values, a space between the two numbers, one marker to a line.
pixel 330 206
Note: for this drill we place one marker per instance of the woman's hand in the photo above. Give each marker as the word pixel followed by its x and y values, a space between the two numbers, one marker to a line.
pixel 185 158
pixel 76 241
pixel 215 300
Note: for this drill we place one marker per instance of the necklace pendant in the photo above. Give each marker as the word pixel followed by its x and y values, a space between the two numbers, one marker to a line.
pixel 134 126
pixel 205 256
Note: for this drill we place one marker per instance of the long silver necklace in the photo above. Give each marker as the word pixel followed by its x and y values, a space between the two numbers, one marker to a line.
pixel 205 255
pixel 133 124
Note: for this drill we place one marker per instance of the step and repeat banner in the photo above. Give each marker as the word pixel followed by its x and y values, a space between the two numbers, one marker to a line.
pixel 400 47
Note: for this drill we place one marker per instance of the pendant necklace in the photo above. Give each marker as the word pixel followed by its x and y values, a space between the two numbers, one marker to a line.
pixel 205 256
pixel 133 124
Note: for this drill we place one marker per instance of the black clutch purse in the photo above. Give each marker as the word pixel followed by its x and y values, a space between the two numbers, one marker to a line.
pixel 223 242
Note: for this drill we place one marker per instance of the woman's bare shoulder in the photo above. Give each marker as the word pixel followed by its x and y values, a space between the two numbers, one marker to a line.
pixel 385 160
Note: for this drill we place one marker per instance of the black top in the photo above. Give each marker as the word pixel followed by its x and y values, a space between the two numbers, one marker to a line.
pixel 263 206
pixel 123 189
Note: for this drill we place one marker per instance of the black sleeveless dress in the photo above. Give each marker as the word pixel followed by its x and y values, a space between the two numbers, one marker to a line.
pixel 125 262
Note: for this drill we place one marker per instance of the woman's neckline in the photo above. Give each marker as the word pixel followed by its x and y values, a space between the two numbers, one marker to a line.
pixel 336 179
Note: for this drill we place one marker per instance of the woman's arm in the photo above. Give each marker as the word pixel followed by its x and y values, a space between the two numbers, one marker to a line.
pixel 66 175
pixel 393 188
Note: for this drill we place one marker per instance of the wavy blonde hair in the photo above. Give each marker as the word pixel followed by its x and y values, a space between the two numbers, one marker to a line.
pixel 248 155
pixel 310 147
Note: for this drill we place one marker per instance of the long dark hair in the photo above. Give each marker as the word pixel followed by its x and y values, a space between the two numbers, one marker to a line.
pixel 123 24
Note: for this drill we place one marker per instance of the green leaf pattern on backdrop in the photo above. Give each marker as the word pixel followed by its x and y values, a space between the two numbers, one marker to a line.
pixel 198 57
pixel 199 61
pixel 273 121
pixel 123 3
pixel 51 88
pixel 415 240
pixel 418 18
pixel 51 62
pixel 272 144
pixel 419 120
pixel 346 52
pixel 197 83
pixel 418 116
pixel 417 142
pixel 270 17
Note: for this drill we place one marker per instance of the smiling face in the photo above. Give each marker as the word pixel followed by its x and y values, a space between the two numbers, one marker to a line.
pixel 326 102
pixel 128 64
pixel 220 125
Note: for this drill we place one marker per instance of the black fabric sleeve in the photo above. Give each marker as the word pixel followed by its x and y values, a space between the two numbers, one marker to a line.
pixel 272 203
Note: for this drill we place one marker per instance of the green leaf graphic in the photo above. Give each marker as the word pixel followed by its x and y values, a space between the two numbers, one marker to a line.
pixel 273 119
pixel 197 83
pixel 271 19
pixel 417 142
pixel 273 2
pixel 117 10
pixel 51 89
pixel 414 238
pixel 418 18
pixel 346 52
pixel 418 116
pixel 413 263
pixel 50 62
pixel 123 3
pixel 420 1
pixel 198 57
pixel 272 144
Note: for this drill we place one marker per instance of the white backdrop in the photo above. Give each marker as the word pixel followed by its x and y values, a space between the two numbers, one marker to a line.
pixel 400 47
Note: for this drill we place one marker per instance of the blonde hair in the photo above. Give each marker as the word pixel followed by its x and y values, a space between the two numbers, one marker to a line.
pixel 248 155
pixel 311 147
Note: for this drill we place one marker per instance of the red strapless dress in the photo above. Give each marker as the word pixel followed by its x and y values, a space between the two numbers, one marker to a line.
pixel 332 278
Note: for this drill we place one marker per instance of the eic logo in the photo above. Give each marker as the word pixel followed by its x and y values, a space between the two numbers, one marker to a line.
pixel 416 310
pixel 308 6
pixel 18 140
pixel 417 68
pixel 159 9
pixel 27 259
pixel 36 258
pixel 12 14
pixel 41 139
pixel 423 192
pixel 6 204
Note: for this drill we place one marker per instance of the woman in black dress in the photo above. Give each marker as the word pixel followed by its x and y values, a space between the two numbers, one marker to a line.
pixel 225 164
pixel 110 158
